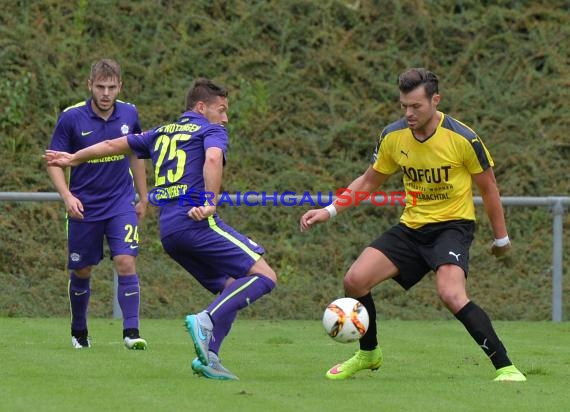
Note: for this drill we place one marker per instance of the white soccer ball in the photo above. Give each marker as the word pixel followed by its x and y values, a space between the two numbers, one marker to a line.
pixel 345 320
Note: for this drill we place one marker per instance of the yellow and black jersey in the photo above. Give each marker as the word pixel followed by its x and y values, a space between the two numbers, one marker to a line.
pixel 436 172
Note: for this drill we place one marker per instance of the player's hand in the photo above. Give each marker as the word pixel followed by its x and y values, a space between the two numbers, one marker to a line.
pixel 59 159
pixel 500 251
pixel 73 207
pixel 201 212
pixel 312 217
pixel 140 208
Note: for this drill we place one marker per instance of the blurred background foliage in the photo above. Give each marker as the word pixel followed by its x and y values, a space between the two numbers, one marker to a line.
pixel 311 84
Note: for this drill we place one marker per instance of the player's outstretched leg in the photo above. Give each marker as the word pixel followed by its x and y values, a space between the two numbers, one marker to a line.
pixel 200 327
pixel 213 369
pixel 479 326
pixel 362 360
pixel 240 294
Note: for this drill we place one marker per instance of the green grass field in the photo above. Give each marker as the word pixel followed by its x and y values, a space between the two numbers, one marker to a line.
pixel 428 366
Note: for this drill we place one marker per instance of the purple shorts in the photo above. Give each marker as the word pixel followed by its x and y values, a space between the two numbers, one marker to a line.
pixel 85 239
pixel 213 254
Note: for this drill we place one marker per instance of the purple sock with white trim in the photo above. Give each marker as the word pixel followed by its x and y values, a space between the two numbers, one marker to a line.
pixel 128 295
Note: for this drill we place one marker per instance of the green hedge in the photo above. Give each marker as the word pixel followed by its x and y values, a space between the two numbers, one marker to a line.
pixel 311 85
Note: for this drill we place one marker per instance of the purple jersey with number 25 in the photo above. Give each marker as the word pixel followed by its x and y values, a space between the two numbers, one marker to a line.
pixel 178 153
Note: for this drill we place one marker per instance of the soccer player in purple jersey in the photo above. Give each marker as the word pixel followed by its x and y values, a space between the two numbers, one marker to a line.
pixel 100 200
pixel 189 156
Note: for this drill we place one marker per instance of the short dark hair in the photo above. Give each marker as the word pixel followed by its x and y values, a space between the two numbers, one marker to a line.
pixel 203 90
pixel 413 78
pixel 105 69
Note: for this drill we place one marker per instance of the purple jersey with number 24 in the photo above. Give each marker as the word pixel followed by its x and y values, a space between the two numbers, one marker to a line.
pixel 105 185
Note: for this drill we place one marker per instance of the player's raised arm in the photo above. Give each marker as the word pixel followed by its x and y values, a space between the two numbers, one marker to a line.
pixel 362 185
pixel 106 148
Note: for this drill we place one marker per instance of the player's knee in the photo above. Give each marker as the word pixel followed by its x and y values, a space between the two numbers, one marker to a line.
pixel 353 286
pixel 83 273
pixel 263 268
pixel 453 299
pixel 270 274
pixel 125 264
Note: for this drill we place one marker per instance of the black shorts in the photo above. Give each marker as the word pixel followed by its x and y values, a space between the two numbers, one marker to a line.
pixel 417 251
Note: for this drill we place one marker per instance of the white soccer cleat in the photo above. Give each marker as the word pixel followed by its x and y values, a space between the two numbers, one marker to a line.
pixel 80 342
pixel 133 340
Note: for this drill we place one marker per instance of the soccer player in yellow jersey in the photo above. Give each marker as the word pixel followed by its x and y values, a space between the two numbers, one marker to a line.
pixel 439 157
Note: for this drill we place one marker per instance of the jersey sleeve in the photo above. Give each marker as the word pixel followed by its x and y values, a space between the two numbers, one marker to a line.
pixel 216 136
pixel 141 143
pixel 477 157
pixel 382 161
pixel 137 124
pixel 62 135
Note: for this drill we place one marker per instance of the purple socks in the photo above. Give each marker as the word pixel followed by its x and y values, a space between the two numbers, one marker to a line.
pixel 79 293
pixel 128 295
pixel 239 294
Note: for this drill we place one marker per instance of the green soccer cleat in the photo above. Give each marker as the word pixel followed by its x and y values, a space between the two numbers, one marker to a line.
pixel 213 370
pixel 509 374
pixel 363 359
pixel 135 344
